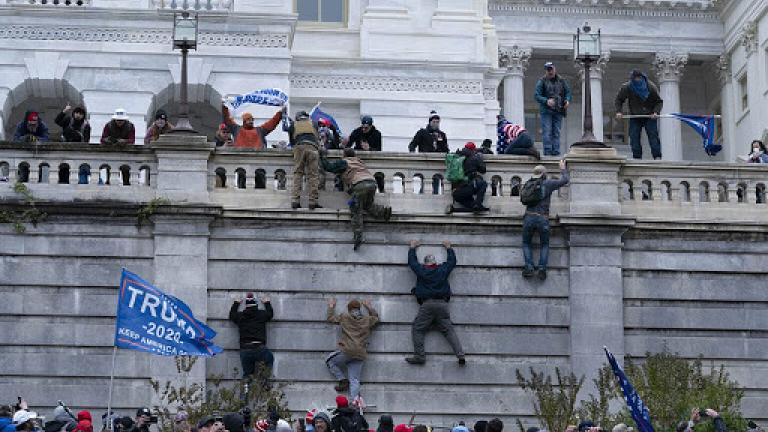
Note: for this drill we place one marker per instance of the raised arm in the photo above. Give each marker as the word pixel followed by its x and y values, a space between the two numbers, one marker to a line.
pixel 331 313
pixel 270 125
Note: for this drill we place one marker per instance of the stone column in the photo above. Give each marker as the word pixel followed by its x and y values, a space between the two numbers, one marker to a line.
pixel 595 226
pixel 596 86
pixel 182 167
pixel 669 69
pixel 757 111
pixel 515 60
pixel 723 71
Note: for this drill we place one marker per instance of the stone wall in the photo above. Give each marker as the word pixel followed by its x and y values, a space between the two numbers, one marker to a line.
pixel 634 266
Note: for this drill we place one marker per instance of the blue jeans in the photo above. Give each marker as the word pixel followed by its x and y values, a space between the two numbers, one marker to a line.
pixel 538 223
pixel 82 175
pixel 550 130
pixel 336 361
pixel 249 358
pixel 651 129
pixel 520 145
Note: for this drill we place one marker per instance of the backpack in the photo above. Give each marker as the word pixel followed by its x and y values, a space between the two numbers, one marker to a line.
pixel 454 168
pixel 532 192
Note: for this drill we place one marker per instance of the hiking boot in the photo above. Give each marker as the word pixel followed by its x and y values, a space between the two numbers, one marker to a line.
pixel 342 386
pixel 527 272
pixel 315 206
pixel 295 205
pixel 416 360
pixel 535 153
pixel 358 241
pixel 480 209
pixel 387 213
pixel 462 361
pixel 542 274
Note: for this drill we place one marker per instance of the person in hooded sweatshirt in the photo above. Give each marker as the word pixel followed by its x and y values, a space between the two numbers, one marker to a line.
pixel 75 126
pixel 6 421
pixel 252 326
pixel 352 352
pixel 347 418
pixel 433 292
pixel 61 422
pixel 644 100
pixel 31 129
pixel 84 422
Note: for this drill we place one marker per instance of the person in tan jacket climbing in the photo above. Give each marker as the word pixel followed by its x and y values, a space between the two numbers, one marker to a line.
pixel 353 343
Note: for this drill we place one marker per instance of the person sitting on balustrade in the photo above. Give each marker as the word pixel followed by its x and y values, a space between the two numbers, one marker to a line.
pixel 31 129
pixel 471 192
pixel 160 126
pixel 75 127
pixel 248 135
pixel 757 154
pixel 119 130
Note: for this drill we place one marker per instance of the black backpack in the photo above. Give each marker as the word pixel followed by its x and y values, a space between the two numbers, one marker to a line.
pixel 532 192
pixel 348 423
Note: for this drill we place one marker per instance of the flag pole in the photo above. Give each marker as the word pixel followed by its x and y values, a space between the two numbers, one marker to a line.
pixel 111 383
pixel 638 116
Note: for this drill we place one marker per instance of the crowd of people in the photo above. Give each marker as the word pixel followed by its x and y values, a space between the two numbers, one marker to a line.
pixel 344 417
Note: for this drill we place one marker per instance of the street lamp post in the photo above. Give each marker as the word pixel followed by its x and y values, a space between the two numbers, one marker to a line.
pixel 184 38
pixel 586 49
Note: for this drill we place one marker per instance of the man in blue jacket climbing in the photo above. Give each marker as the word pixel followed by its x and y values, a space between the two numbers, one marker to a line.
pixel 433 292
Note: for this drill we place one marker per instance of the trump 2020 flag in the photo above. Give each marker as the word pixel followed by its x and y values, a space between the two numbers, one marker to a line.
pixel 151 321
pixel 706 126
pixel 269 96
pixel 316 114
pixel 636 406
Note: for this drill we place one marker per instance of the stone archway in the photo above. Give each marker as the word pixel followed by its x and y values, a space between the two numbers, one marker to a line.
pixel 40 86
pixel 48 104
pixel 204 100
pixel 204 111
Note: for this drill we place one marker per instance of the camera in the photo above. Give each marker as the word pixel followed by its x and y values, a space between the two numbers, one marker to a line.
pixel 153 419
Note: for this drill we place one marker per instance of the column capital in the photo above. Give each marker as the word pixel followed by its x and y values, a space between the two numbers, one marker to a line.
pixel 669 66
pixel 514 59
pixel 722 68
pixel 748 36
pixel 597 69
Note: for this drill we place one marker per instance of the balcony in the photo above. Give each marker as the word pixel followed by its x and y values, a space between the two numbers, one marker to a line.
pixel 413 184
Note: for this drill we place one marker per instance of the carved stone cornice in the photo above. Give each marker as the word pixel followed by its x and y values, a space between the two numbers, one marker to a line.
pixel 140 36
pixel 690 10
pixel 748 37
pixel 670 66
pixel 722 68
pixel 596 69
pixel 514 59
pixel 386 84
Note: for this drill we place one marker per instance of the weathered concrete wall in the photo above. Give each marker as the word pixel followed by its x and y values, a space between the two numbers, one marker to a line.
pixel 635 274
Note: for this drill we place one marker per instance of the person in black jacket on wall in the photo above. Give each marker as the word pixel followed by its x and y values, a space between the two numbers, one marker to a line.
pixel 433 292
pixel 252 326
pixel 430 139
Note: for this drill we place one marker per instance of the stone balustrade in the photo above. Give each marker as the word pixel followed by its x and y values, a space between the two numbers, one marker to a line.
pixel 193 5
pixel 410 183
pixel 51 3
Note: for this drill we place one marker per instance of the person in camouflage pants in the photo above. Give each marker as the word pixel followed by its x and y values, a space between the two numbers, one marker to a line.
pixel 361 185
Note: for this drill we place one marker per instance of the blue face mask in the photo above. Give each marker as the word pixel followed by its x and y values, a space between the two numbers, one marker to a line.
pixel 356 313
pixel 640 87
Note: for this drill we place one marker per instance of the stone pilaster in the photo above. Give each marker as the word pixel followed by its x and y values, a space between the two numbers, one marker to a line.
pixel 596 71
pixel 182 167
pixel 722 69
pixel 669 70
pixel 515 61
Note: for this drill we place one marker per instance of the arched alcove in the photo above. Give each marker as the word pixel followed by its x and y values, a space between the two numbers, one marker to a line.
pixel 204 110
pixel 47 97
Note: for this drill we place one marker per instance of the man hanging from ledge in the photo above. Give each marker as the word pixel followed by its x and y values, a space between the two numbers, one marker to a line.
pixel 361 185
pixel 433 293
pixel 248 135
pixel 252 326
pixel 353 343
